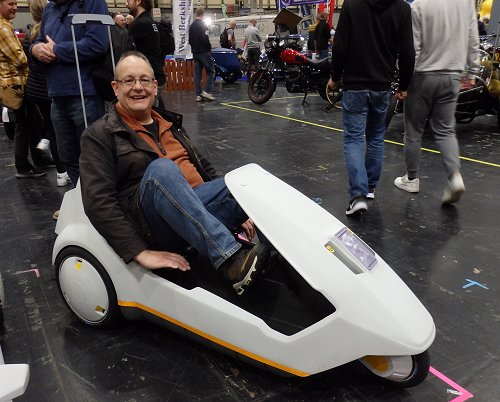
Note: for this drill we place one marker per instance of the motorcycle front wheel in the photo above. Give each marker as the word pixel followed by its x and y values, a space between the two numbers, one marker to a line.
pixel 261 87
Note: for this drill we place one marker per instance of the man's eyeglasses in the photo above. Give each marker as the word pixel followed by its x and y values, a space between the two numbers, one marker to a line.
pixel 144 81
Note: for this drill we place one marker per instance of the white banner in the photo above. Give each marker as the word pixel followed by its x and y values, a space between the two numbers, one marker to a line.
pixel 182 12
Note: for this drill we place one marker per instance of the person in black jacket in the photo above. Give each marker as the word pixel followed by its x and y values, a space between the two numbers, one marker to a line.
pixel 322 36
pixel 371 35
pixel 150 193
pixel 202 56
pixel 146 37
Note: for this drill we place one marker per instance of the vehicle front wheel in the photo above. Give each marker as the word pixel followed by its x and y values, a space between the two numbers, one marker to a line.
pixel 86 287
pixel 261 87
pixel 399 371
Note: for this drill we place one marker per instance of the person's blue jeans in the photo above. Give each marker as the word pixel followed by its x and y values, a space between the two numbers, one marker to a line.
pixel 67 118
pixel 203 61
pixel 203 217
pixel 364 115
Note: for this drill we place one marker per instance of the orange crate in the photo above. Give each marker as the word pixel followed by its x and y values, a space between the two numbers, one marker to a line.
pixel 180 75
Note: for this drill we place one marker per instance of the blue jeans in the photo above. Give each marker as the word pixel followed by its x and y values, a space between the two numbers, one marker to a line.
pixel 203 61
pixel 67 118
pixel 203 217
pixel 364 119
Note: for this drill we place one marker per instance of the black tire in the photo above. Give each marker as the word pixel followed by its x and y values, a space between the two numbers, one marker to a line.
pixel 231 77
pixel 10 129
pixel 391 110
pixel 113 315
pixel 261 87
pixel 421 365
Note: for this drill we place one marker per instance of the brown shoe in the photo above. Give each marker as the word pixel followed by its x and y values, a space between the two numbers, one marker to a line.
pixel 243 266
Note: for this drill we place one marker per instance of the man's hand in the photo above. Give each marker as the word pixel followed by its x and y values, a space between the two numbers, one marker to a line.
pixel 50 43
pixel 332 84
pixel 153 259
pixel 400 95
pixel 249 228
pixel 44 52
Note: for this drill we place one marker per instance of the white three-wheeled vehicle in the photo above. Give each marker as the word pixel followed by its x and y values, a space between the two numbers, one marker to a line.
pixel 325 299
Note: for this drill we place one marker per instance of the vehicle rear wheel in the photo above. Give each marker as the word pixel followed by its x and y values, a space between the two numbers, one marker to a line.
pixel 86 287
pixel 261 87
pixel 399 371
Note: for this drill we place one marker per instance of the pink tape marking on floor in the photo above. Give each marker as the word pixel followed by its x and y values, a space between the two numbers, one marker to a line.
pixel 464 393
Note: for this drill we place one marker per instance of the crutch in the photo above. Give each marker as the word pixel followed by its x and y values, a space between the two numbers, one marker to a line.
pixel 79 19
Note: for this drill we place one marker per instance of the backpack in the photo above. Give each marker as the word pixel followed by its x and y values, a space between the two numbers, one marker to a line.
pixel 224 39
pixel 103 75
pixel 167 41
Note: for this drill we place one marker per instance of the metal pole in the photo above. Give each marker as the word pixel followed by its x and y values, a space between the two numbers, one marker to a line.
pixel 79 76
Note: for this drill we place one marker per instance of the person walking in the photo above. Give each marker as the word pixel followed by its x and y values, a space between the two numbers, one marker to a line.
pixel 371 36
pixel 442 55
pixel 202 56
pixel 252 39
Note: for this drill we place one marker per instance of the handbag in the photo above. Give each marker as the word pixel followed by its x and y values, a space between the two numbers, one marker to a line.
pixel 11 95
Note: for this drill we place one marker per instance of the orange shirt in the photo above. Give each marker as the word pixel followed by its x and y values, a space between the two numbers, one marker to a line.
pixel 168 147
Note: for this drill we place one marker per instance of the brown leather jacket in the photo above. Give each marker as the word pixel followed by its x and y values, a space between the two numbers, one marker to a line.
pixel 112 163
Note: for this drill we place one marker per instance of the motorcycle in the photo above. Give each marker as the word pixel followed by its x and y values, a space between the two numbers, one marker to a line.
pixel 285 60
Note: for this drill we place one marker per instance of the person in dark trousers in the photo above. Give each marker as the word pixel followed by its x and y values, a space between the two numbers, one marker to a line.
pixel 442 58
pixel 146 37
pixel 13 76
pixel 371 36
pixel 149 192
pixel 322 36
pixel 54 47
pixel 202 56
pixel 36 91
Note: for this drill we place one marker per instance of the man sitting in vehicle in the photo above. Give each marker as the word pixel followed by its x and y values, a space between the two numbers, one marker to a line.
pixel 146 188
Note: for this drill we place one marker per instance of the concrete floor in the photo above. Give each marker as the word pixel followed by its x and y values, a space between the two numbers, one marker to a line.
pixel 448 256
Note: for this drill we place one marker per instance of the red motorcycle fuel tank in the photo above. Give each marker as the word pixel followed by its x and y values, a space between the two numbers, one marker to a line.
pixel 291 56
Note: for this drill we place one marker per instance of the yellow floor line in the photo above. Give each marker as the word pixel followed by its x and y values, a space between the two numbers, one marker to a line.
pixel 341 131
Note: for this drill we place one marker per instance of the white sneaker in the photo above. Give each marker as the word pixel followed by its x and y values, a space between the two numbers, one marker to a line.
pixel 208 96
pixel 63 179
pixel 412 186
pixel 199 98
pixel 455 189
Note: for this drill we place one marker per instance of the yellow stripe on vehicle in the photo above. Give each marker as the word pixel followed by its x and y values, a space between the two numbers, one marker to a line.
pixel 214 339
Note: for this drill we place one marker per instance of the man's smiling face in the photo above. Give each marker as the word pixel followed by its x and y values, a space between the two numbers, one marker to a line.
pixel 135 87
